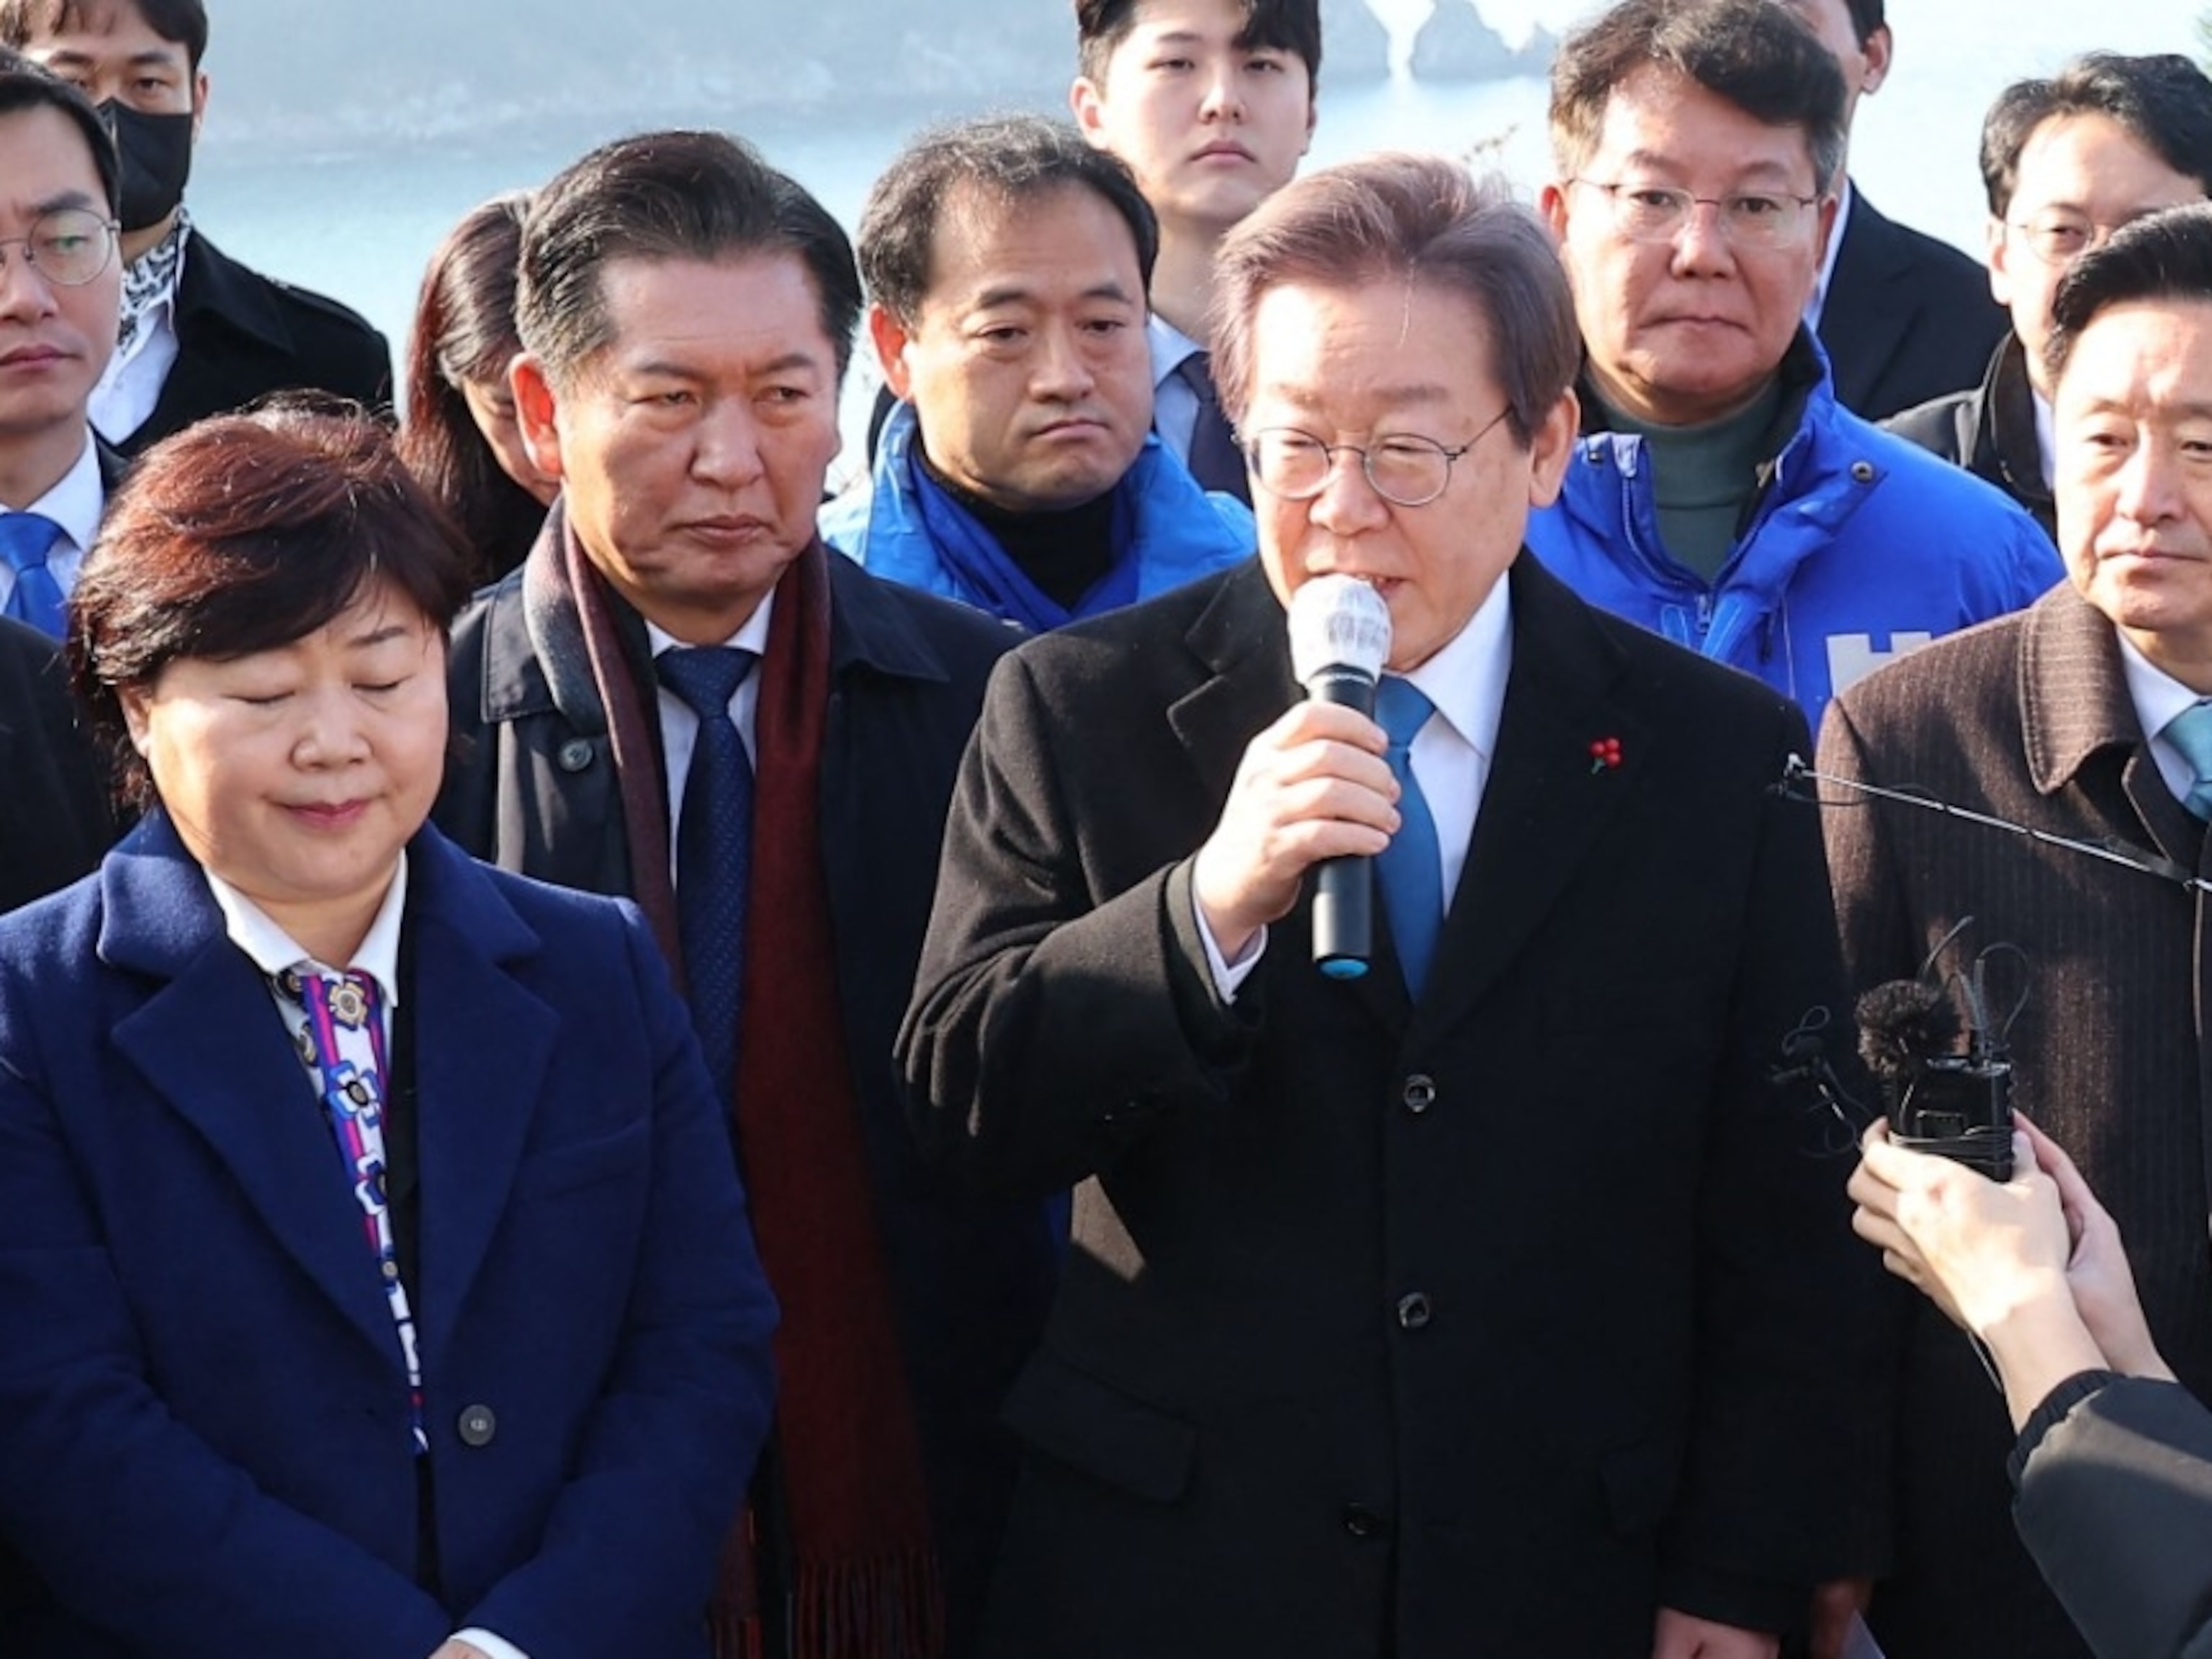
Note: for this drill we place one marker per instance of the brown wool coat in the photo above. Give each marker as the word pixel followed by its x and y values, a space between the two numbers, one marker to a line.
pixel 2028 718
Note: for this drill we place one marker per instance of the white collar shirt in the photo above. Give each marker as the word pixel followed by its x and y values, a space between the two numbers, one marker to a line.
pixel 2158 697
pixel 75 503
pixel 679 727
pixel 1175 405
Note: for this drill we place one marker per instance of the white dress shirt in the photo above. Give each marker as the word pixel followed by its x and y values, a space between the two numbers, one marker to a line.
pixel 123 398
pixel 2046 437
pixel 1450 755
pixel 2158 697
pixel 272 951
pixel 74 504
pixel 1175 405
pixel 679 727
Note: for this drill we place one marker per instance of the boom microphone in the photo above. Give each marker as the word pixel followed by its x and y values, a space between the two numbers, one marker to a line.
pixel 1340 640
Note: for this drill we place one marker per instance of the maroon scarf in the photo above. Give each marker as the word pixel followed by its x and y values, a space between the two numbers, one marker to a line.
pixel 866 1583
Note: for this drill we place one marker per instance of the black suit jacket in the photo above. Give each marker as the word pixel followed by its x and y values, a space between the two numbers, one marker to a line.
pixel 1485 1324
pixel 2029 717
pixel 54 821
pixel 533 788
pixel 1907 318
pixel 241 336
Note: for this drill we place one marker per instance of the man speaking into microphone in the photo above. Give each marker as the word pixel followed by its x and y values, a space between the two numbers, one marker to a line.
pixel 1490 1301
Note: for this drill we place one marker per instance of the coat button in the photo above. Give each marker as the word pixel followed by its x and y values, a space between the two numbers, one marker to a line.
pixel 574 755
pixel 478 1425
pixel 1363 1522
pixel 1420 1093
pixel 1412 1311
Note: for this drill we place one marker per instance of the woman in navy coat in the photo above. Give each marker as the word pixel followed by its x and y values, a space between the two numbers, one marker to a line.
pixel 375 1278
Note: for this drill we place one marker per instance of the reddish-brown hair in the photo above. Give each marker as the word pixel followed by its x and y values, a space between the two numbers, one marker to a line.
pixel 245 533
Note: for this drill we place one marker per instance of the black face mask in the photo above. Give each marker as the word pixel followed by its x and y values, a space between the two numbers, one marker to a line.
pixel 157 159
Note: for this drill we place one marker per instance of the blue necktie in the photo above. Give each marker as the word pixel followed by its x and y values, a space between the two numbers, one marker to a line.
pixel 2191 732
pixel 25 539
pixel 1411 868
pixel 714 847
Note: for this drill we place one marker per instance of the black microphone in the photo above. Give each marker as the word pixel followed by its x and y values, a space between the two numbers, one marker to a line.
pixel 1340 640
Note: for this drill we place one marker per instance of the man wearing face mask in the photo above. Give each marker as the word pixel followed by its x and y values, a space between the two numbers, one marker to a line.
pixel 201 333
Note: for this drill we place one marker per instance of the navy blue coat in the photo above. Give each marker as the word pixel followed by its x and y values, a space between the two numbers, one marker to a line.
pixel 204 1446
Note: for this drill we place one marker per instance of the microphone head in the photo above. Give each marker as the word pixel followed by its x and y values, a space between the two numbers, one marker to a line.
pixel 1338 622
pixel 1903 1025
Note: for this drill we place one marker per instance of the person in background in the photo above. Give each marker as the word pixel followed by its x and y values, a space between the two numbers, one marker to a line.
pixel 2113 1463
pixel 1006 263
pixel 55 820
pixel 59 283
pixel 1720 495
pixel 2083 717
pixel 2066 163
pixel 684 697
pixel 1902 316
pixel 1211 104
pixel 373 1276
pixel 457 432
pixel 1492 1301
pixel 200 332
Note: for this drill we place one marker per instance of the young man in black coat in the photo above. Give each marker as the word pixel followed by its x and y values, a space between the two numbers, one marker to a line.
pixel 202 334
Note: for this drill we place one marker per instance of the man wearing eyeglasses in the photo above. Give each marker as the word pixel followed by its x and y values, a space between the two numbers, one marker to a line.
pixel 2067 160
pixel 1720 494
pixel 60 283
pixel 201 333
pixel 1491 1302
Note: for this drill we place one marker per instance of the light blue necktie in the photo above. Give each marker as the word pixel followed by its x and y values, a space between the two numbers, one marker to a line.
pixel 714 847
pixel 2191 732
pixel 25 539
pixel 1411 868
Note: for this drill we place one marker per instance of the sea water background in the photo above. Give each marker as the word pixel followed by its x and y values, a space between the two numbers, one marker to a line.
pixel 358 223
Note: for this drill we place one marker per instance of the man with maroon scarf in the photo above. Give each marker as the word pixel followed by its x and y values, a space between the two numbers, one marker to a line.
pixel 687 313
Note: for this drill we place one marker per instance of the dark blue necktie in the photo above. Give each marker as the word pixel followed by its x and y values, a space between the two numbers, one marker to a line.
pixel 25 540
pixel 1215 460
pixel 714 846
pixel 1410 870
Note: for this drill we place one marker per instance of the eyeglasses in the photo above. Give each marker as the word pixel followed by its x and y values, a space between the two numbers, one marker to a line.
pixel 2059 240
pixel 69 247
pixel 1404 469
pixel 1752 219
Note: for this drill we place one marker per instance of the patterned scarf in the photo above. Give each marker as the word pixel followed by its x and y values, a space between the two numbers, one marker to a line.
pixel 865 1580
pixel 150 281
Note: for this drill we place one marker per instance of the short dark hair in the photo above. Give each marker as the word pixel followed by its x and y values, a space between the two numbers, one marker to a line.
pixel 464 334
pixel 2162 99
pixel 244 533
pixel 1749 53
pixel 668 195
pixel 1415 219
pixel 24 86
pixel 1866 18
pixel 2162 256
pixel 181 22
pixel 1291 25
pixel 1009 158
